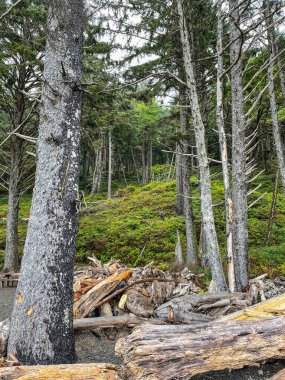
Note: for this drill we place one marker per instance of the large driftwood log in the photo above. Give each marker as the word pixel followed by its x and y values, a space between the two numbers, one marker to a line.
pixel 61 372
pixel 179 352
pixel 4 334
pixel 105 322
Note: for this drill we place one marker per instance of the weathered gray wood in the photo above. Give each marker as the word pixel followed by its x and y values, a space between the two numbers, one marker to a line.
pixel 205 180
pixel 224 149
pixel 42 320
pixel 105 322
pixel 179 351
pixel 239 179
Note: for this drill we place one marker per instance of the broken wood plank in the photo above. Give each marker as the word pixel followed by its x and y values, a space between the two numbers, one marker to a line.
pixel 268 308
pixel 91 300
pixel 62 372
pixel 105 322
pixel 181 351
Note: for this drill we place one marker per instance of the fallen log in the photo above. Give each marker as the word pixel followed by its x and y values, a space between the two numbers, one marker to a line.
pixel 105 322
pixel 62 372
pixel 181 351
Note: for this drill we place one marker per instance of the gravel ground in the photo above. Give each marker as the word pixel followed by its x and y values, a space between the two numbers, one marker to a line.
pixel 90 348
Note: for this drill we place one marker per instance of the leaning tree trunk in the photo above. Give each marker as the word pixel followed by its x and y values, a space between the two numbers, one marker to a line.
pixel 273 104
pixel 42 320
pixel 224 151
pixel 205 180
pixel 11 260
pixel 239 180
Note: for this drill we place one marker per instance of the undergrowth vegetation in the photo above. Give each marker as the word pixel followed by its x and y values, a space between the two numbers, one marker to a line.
pixel 139 225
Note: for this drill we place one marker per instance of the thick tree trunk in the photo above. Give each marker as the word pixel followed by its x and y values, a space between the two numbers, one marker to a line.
pixel 273 208
pixel 239 180
pixel 180 352
pixel 96 183
pixel 205 180
pixel 11 260
pixel 224 151
pixel 42 319
pixel 110 158
pixel 191 257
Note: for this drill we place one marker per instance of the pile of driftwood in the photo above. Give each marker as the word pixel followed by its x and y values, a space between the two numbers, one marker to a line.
pixel 183 327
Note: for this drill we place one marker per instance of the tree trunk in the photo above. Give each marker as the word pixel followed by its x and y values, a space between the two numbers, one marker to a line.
pixel 110 166
pixel 239 185
pixel 224 151
pixel 273 104
pixel 179 180
pixel 180 352
pixel 42 319
pixel 205 180
pixel 273 208
pixel 98 170
pixel 191 258
pixel 11 260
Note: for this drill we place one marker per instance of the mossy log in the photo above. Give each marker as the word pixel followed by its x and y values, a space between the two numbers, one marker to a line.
pixel 63 372
pixel 181 351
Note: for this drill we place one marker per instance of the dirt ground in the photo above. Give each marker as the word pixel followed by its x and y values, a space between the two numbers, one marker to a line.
pixel 90 348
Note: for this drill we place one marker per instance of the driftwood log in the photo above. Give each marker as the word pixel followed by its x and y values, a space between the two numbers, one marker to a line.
pixel 62 372
pixel 181 351
pixel 105 322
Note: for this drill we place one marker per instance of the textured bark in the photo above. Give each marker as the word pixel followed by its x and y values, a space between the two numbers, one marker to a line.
pixel 97 175
pixel 42 321
pixel 191 258
pixel 62 372
pixel 273 104
pixel 239 180
pixel 224 151
pixel 205 180
pixel 179 352
pixel 4 334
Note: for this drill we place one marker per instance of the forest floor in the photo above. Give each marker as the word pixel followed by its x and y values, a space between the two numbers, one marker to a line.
pixel 91 349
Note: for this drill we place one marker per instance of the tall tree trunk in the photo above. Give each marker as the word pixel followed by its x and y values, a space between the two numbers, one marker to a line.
pixel 205 180
pixel 11 260
pixel 110 165
pixel 273 104
pixel 42 317
pixel 239 180
pixel 191 257
pixel 224 151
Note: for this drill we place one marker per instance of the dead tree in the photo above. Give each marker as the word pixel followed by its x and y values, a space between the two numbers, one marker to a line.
pixel 205 180
pixel 224 150
pixel 239 179
pixel 42 319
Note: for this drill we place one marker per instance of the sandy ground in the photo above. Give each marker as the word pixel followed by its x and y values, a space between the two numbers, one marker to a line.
pixel 90 348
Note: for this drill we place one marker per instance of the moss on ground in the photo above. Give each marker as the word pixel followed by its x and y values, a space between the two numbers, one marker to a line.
pixel 131 223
